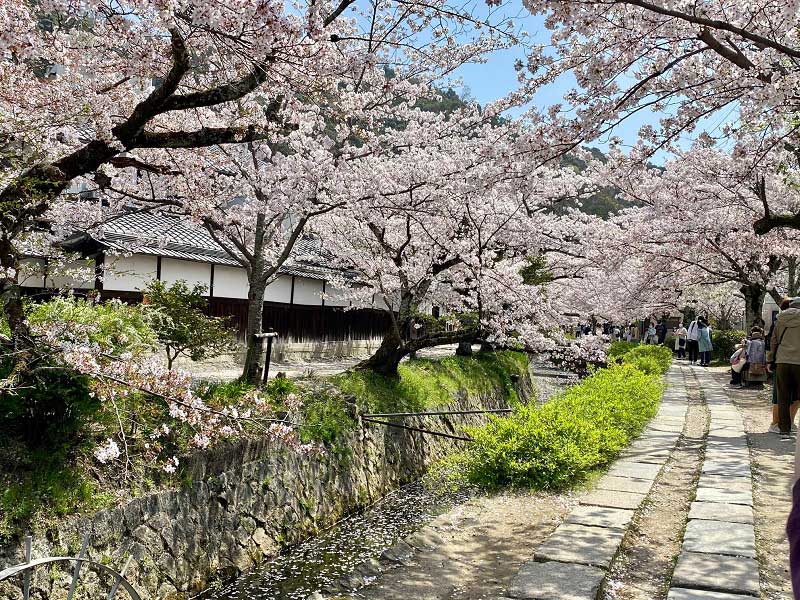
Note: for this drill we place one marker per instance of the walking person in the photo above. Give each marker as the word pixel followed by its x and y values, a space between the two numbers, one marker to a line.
pixel 662 329
pixel 680 340
pixel 650 336
pixel 691 341
pixel 794 401
pixel 784 360
pixel 704 345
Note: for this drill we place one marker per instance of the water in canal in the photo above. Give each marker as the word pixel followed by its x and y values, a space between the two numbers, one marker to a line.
pixel 320 561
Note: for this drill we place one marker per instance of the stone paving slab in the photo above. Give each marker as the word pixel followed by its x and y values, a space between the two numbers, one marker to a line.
pixel 623 468
pixel 718 511
pixel 727 468
pixel 624 484
pixel 718 443
pixel 684 594
pixel 720 537
pixel 715 494
pixel 556 581
pixel 581 544
pixel 732 574
pixel 726 483
pixel 666 427
pixel 613 499
pixel 653 458
pixel 600 516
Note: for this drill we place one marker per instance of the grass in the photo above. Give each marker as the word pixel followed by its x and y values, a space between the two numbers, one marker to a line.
pixel 428 383
pixel 44 485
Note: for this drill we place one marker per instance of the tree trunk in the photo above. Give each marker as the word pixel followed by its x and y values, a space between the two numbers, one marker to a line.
pixel 10 292
pixel 251 372
pixel 387 357
pixel 753 304
pixel 464 349
pixel 793 287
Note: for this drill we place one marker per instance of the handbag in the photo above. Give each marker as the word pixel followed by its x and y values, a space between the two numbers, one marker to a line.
pixel 738 360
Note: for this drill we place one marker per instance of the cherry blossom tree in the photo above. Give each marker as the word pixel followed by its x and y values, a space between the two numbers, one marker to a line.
pixel 450 223
pixel 692 225
pixel 688 63
pixel 88 91
pixel 152 105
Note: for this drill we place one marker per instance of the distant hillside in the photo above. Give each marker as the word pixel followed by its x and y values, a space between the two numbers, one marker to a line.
pixel 601 203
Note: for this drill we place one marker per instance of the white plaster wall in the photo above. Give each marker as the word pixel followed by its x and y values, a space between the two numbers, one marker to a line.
pixel 129 273
pixel 307 291
pixel 191 272
pixel 29 273
pixel 84 269
pixel 230 282
pixel 768 308
pixel 279 290
pixel 335 296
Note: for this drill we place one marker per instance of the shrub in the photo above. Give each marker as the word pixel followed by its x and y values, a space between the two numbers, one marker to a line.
pixel 553 445
pixel 618 348
pixel 178 316
pixel 654 359
pixel 724 342
pixel 114 326
pixel 54 402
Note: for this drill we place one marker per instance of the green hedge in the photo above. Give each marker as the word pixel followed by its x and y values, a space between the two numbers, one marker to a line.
pixel 653 360
pixel 558 443
pixel 618 348
pixel 724 342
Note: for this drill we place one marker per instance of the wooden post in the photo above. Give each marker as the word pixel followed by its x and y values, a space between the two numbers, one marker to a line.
pixel 270 335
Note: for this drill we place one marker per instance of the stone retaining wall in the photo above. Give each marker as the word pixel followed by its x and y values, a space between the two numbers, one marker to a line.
pixel 245 502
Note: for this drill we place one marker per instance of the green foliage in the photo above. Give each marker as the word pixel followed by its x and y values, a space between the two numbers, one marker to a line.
pixel 651 359
pixel 279 387
pixel 112 325
pixel 178 316
pixel 724 342
pixel 224 393
pixel 51 406
pixel 559 443
pixel 536 272
pixel 425 383
pixel 326 420
pixel 618 348
pixel 47 484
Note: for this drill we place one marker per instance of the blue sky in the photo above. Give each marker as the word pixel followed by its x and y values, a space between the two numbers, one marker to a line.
pixel 491 80
pixel 488 81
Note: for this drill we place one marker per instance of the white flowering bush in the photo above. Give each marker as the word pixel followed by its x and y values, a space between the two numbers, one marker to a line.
pixel 581 355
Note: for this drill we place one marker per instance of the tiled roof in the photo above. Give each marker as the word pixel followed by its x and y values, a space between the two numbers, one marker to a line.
pixel 178 237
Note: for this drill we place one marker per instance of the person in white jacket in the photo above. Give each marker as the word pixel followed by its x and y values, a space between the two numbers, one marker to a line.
pixel 691 342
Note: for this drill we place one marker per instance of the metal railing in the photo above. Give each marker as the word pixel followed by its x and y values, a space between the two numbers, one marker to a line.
pixel 26 569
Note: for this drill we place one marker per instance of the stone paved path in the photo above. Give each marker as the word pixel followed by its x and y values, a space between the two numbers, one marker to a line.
pixel 718 558
pixel 719 545
pixel 573 562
